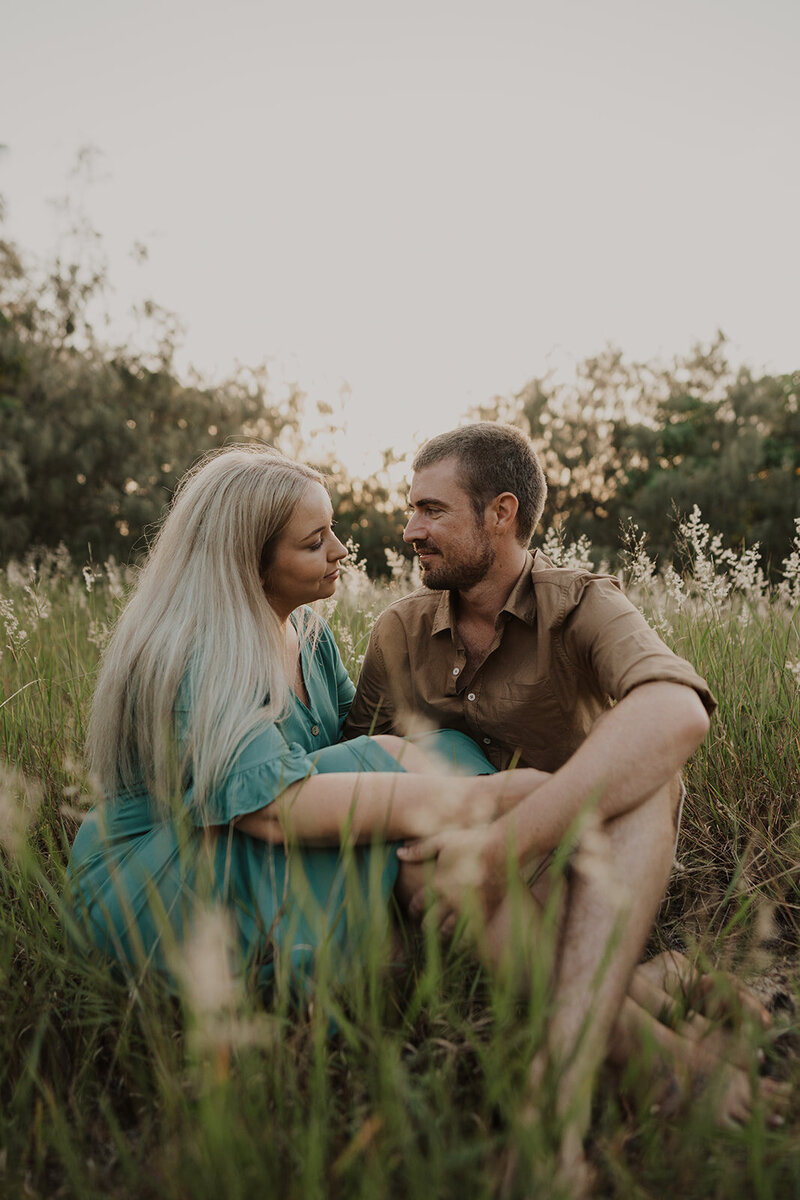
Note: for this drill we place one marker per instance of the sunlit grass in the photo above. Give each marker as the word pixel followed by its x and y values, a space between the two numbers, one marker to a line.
pixel 109 1086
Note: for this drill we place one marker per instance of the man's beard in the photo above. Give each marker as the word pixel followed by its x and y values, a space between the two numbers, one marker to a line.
pixel 461 574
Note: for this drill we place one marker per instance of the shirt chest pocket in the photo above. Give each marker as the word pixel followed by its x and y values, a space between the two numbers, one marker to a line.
pixel 531 720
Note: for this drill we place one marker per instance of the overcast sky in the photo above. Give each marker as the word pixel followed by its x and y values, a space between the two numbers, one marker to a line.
pixel 431 202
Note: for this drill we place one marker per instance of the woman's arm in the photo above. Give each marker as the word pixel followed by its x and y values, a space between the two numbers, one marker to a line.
pixel 352 806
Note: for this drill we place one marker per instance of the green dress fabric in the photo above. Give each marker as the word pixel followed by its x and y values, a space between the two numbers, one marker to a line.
pixel 137 880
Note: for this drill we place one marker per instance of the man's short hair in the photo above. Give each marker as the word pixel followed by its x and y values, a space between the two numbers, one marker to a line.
pixel 492 458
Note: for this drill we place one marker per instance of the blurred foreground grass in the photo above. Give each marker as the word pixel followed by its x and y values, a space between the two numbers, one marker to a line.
pixel 110 1087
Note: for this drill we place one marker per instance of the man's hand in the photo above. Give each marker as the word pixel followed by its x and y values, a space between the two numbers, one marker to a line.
pixel 468 877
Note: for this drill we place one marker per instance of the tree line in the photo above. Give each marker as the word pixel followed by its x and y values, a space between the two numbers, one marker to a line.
pixel 93 437
pixel 644 442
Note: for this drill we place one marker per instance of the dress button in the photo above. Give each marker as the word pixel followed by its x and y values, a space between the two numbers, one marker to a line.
pixel 471 696
pixel 456 670
pixel 315 730
pixel 487 741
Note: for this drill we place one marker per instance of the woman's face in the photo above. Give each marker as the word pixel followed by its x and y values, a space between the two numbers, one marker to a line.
pixel 305 565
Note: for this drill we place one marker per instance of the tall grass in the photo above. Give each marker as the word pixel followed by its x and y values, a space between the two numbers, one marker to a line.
pixel 405 1080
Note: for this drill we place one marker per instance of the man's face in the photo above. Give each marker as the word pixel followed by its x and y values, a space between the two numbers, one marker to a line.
pixel 454 549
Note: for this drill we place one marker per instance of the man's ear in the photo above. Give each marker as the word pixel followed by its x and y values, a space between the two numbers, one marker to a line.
pixel 501 513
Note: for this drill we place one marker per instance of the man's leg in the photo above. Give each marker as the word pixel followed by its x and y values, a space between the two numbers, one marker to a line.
pixel 614 892
pixel 615 885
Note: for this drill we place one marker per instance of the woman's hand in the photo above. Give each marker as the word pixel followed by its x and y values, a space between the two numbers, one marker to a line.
pixel 470 871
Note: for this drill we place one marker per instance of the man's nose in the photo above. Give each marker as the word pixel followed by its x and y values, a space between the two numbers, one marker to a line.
pixel 412 531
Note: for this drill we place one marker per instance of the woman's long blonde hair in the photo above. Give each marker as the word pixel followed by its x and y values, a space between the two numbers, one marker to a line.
pixel 200 624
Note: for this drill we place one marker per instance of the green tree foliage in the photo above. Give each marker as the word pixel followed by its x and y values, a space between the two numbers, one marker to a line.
pixel 644 441
pixel 94 438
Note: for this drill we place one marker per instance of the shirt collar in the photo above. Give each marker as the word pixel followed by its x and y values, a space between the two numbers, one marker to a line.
pixel 444 617
pixel 521 601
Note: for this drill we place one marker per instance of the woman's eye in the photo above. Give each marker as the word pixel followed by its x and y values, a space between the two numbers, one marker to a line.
pixel 317 545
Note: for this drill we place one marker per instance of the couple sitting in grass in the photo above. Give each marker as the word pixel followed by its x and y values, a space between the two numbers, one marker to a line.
pixel 240 763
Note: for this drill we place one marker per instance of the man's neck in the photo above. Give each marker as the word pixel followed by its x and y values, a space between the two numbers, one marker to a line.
pixel 481 604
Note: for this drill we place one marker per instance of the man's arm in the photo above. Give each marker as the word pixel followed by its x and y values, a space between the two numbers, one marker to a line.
pixel 636 748
pixel 631 753
pixel 372 710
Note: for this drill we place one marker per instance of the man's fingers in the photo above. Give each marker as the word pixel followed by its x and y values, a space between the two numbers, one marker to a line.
pixel 419 851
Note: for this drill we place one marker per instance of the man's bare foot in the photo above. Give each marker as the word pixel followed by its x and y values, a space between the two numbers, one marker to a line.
pixel 676 1071
pixel 731 1045
pixel 715 994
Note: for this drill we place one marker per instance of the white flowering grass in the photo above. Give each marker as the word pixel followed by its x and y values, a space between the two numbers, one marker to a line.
pixel 20 798
pixel 408 1081
pixel 790 583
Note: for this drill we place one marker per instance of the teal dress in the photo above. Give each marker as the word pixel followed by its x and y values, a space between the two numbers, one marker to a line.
pixel 137 879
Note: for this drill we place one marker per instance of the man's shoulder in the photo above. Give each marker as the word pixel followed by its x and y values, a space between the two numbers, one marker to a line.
pixel 559 590
pixel 544 571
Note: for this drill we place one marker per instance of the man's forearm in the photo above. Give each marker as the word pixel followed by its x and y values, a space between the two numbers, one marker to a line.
pixel 635 749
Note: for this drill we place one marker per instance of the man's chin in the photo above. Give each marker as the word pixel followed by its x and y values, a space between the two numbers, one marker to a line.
pixel 456 578
pixel 435 578
pixel 429 580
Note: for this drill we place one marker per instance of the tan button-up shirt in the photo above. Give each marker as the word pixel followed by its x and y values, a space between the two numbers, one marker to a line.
pixel 567 643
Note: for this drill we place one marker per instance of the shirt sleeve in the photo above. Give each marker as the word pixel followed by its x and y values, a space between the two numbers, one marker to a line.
pixel 263 768
pixel 372 710
pixel 610 640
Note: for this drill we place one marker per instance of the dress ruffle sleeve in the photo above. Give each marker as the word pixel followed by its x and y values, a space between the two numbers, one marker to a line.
pixel 264 768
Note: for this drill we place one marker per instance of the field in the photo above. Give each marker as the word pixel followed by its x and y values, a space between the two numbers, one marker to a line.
pixel 408 1081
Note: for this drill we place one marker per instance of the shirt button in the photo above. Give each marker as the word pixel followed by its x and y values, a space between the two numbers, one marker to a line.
pixel 471 696
pixel 315 730
pixel 487 741
pixel 456 670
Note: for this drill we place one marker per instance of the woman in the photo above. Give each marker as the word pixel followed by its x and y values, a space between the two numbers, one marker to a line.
pixel 214 736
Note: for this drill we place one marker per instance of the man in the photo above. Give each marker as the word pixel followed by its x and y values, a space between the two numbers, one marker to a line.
pixel 544 668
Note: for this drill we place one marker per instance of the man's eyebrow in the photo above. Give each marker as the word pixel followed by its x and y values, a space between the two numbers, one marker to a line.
pixel 428 502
